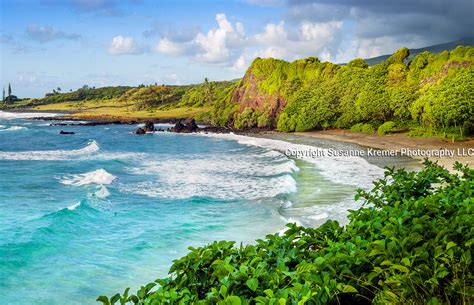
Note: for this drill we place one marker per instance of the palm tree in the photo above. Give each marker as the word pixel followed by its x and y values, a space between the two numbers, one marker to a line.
pixel 209 90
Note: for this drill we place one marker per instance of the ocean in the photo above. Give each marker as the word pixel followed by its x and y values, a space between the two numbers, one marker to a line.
pixel 104 209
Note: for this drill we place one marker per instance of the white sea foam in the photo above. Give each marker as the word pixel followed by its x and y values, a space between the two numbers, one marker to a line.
pixel 24 115
pixel 73 206
pixel 232 176
pixel 99 177
pixel 354 171
pixel 13 128
pixel 91 148
pixel 103 192
pixel 2 126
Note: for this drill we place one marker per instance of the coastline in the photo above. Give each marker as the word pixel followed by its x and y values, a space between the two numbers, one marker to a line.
pixel 391 142
pixel 397 142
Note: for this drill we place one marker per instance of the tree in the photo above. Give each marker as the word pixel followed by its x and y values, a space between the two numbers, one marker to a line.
pixel 358 63
pixel 9 96
pixel 209 90
pixel 3 99
pixel 162 91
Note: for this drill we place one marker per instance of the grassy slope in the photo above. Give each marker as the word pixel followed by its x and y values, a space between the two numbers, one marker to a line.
pixel 110 109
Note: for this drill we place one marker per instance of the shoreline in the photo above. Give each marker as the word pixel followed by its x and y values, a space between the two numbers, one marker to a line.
pixel 397 142
pixel 390 142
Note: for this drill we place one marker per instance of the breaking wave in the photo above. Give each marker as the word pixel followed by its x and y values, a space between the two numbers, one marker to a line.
pixel 354 171
pixel 98 177
pixel 91 148
pixel 13 128
pixel 262 174
pixel 25 115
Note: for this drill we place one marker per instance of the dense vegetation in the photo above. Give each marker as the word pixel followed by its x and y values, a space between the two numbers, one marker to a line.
pixel 410 243
pixel 431 94
pixel 432 91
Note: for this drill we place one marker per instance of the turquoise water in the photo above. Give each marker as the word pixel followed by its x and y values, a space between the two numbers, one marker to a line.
pixel 92 213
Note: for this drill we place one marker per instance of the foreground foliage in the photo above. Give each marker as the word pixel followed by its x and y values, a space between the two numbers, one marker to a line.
pixel 411 243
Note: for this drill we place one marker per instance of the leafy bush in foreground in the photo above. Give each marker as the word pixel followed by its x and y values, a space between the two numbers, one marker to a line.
pixel 411 243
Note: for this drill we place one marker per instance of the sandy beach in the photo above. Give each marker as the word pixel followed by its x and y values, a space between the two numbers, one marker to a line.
pixel 399 142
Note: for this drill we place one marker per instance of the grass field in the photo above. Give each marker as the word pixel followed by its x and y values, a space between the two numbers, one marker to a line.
pixel 114 109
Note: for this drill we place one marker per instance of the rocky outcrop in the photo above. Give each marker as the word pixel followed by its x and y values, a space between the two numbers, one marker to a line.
pixel 66 132
pixel 149 126
pixel 186 126
pixel 140 131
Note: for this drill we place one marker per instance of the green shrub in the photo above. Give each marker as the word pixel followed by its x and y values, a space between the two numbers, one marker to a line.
pixel 363 127
pixel 264 121
pixel 246 119
pixel 410 243
pixel 284 123
pixel 386 127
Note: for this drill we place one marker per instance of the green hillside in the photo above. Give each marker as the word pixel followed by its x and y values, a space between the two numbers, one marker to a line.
pixel 433 92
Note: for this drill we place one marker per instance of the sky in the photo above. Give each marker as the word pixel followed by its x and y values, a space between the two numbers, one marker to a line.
pixel 46 44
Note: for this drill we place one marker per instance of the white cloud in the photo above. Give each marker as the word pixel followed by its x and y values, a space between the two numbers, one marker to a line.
pixel 121 45
pixel 274 34
pixel 319 30
pixel 218 45
pixel 229 45
pixel 169 47
pixel 240 64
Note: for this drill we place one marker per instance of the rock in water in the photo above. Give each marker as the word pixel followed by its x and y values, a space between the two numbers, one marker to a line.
pixel 66 132
pixel 149 126
pixel 191 125
pixel 140 131
pixel 178 127
pixel 188 126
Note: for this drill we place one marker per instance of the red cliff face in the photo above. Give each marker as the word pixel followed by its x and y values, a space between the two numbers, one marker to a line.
pixel 247 95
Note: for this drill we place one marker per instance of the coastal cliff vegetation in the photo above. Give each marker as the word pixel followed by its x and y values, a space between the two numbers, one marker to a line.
pixel 410 243
pixel 427 94
pixel 433 91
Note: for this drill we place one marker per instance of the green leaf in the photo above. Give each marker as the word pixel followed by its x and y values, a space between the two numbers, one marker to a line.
pixel 450 245
pixel 115 298
pixel 268 292
pixel 233 300
pixel 223 291
pixel 405 261
pixel 400 268
pixel 103 299
pixel 320 260
pixel 349 289
pixel 252 284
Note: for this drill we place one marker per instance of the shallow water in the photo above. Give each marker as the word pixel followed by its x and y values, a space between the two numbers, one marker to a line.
pixel 95 212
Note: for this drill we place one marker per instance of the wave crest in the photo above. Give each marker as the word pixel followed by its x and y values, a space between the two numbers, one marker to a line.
pixel 91 148
pixel 354 171
pixel 13 128
pixel 25 115
pixel 98 177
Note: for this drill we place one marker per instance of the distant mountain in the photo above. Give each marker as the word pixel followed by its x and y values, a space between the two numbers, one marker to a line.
pixel 437 48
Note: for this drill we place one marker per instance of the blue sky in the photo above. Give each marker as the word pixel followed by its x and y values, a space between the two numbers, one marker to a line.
pixel 69 43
